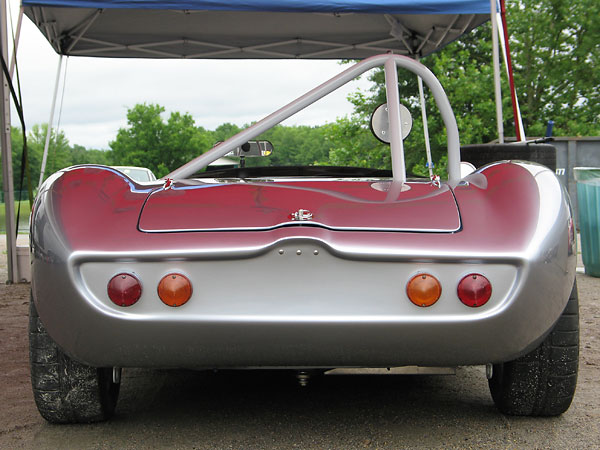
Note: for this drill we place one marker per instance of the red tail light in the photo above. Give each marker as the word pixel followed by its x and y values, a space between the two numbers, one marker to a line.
pixel 124 289
pixel 474 290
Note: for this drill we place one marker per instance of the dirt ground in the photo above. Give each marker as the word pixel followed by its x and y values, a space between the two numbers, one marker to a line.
pixel 185 409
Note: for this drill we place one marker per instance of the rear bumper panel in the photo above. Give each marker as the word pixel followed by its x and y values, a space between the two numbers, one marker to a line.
pixel 284 309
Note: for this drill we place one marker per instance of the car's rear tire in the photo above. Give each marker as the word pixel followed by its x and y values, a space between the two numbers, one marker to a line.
pixel 542 383
pixel 66 391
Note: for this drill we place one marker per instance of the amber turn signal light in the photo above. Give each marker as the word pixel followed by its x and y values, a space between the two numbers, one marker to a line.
pixel 174 289
pixel 424 289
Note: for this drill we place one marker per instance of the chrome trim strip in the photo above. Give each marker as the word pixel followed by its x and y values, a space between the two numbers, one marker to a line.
pixel 312 223
pixel 358 253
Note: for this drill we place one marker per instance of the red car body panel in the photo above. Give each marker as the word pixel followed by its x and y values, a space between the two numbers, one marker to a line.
pixel 488 210
pixel 262 205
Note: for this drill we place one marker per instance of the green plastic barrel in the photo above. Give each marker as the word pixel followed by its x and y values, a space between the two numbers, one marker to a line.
pixel 588 201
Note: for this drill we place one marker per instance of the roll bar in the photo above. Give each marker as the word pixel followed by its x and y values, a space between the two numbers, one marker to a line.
pixel 390 62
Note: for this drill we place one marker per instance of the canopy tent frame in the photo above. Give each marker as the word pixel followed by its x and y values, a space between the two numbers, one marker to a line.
pixel 398 31
pixel 355 32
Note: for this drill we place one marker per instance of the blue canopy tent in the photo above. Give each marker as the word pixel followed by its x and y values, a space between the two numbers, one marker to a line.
pixel 317 29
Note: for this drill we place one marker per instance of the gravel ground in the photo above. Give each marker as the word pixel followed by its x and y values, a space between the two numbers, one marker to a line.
pixel 255 409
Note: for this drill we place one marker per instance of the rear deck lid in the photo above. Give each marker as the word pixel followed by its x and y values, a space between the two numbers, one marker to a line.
pixel 355 205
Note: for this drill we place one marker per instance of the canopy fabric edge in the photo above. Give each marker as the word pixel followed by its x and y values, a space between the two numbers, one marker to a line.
pixel 324 6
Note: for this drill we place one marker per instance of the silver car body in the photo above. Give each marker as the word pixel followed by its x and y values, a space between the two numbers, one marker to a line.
pixel 303 294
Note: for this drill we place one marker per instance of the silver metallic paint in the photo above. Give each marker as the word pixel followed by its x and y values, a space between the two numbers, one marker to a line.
pixel 344 307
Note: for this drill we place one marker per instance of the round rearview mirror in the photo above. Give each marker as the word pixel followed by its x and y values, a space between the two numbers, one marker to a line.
pixel 380 123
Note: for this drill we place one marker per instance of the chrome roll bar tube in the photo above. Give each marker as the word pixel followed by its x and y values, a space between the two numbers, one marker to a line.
pixel 391 62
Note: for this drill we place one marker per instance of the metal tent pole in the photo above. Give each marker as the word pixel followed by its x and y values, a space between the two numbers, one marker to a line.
pixel 13 61
pixel 7 174
pixel 503 33
pixel 50 122
pixel 496 64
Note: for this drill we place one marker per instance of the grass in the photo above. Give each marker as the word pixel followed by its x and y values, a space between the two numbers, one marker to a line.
pixel 23 217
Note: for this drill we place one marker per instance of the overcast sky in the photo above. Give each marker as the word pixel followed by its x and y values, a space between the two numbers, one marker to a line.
pixel 99 90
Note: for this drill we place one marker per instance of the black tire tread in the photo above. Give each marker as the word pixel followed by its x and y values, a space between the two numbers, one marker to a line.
pixel 543 382
pixel 64 390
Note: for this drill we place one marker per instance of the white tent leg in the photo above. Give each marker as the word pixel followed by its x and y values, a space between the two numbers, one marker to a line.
pixel 50 122
pixel 496 64
pixel 7 174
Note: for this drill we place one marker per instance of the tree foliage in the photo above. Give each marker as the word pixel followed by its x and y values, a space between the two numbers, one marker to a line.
pixel 161 146
pixel 557 64
pixel 60 154
pixel 298 145
pixel 151 142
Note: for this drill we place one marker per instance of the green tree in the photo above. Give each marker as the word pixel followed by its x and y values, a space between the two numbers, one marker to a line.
pixel 352 144
pixel 224 132
pixel 162 147
pixel 557 64
pixel 293 145
pixel 59 153
pixel 82 155
pixel 298 145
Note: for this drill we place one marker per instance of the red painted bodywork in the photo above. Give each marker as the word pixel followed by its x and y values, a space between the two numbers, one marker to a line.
pixel 337 205
pixel 97 209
